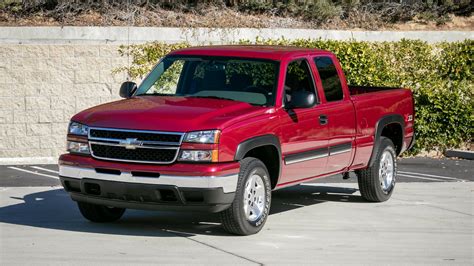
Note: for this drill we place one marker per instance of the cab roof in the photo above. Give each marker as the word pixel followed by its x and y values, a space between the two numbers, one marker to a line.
pixel 271 52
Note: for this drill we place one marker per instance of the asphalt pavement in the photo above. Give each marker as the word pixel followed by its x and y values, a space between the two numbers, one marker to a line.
pixel 429 220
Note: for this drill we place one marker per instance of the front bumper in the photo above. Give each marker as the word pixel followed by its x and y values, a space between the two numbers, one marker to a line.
pixel 149 190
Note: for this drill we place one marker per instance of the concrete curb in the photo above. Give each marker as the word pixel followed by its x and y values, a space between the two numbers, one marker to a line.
pixel 468 155
pixel 28 160
pixel 122 35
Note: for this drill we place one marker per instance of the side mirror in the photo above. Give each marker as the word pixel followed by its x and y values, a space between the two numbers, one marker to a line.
pixel 127 89
pixel 301 99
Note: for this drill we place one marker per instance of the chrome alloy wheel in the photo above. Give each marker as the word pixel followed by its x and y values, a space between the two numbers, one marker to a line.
pixel 386 171
pixel 254 197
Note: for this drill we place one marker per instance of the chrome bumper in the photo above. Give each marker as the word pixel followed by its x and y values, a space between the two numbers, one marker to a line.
pixel 228 183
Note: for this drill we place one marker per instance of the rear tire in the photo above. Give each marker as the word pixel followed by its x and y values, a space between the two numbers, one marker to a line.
pixel 249 210
pixel 376 183
pixel 98 213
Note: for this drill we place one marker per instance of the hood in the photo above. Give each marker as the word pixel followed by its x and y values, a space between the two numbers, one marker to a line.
pixel 168 113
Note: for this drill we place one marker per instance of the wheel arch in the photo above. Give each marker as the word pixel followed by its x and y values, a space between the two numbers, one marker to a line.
pixel 392 127
pixel 265 148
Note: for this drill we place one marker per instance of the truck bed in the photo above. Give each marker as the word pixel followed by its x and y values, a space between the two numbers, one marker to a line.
pixel 371 104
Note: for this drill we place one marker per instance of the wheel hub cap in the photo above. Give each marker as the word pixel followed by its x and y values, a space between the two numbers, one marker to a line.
pixel 386 171
pixel 254 197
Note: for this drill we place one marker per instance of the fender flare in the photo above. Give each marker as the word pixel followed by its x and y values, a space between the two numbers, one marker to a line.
pixel 379 126
pixel 255 142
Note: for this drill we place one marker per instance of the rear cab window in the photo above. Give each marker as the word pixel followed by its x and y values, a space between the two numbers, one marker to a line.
pixel 330 79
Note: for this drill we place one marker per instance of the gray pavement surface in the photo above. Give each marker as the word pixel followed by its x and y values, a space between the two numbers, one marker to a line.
pixel 427 221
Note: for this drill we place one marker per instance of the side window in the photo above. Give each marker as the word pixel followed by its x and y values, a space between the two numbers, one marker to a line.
pixel 329 78
pixel 298 78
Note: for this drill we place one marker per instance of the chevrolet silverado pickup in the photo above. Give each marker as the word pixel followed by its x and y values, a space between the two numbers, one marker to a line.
pixel 218 128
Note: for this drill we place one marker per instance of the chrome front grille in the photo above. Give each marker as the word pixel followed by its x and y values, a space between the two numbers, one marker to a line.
pixel 138 146
pixel 156 137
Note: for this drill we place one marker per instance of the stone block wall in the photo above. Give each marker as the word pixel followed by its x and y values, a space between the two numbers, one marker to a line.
pixel 43 85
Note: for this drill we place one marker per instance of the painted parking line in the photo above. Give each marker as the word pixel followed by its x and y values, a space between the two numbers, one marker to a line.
pixel 44 169
pixel 32 172
pixel 432 176
pixel 421 177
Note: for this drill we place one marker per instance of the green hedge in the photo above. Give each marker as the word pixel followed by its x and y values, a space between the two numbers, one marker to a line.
pixel 440 75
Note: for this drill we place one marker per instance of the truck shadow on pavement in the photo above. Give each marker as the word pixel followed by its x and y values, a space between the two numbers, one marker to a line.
pixel 53 209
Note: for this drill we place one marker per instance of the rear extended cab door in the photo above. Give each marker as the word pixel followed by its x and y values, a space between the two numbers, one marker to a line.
pixel 339 110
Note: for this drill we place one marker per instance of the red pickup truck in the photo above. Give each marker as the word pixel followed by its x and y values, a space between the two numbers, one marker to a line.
pixel 218 128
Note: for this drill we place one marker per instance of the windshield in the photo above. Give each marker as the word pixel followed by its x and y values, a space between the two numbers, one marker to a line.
pixel 239 79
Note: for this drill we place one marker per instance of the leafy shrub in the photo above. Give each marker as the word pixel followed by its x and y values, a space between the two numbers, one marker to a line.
pixel 317 11
pixel 440 76
pixel 145 56
pixel 321 11
pixel 257 6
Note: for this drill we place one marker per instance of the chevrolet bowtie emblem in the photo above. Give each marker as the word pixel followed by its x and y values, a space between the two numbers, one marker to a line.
pixel 131 144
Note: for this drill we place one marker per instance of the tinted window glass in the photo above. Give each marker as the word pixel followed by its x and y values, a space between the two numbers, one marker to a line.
pixel 232 78
pixel 168 82
pixel 298 78
pixel 329 78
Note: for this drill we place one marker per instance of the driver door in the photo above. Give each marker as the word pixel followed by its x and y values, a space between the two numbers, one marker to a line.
pixel 304 135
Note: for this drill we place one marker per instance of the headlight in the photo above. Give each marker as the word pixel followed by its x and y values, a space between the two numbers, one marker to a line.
pixel 78 129
pixel 207 136
pixel 198 155
pixel 78 147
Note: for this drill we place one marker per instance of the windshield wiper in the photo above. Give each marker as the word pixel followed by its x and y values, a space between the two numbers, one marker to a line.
pixel 211 97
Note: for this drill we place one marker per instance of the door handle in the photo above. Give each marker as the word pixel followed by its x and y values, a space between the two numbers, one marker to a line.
pixel 323 120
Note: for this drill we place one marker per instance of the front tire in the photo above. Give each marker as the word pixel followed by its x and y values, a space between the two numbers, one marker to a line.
pixel 98 213
pixel 251 206
pixel 377 182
